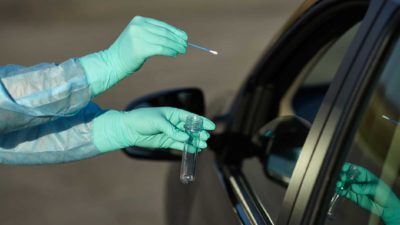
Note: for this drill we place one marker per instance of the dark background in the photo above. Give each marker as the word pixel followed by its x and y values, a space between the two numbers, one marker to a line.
pixel 113 189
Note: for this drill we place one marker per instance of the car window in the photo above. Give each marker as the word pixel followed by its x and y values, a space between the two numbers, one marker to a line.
pixel 367 189
pixel 318 75
pixel 302 99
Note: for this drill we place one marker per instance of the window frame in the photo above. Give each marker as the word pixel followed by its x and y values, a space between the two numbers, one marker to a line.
pixel 357 74
pixel 261 86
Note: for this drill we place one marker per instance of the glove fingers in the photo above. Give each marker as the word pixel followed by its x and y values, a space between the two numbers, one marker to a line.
pixel 161 50
pixel 364 175
pixel 204 135
pixel 179 115
pixel 177 145
pixel 167 142
pixel 173 29
pixel 154 29
pixel 181 146
pixel 346 166
pixel 181 125
pixel 202 144
pixel 180 136
pixel 161 140
pixel 364 189
pixel 173 132
pixel 166 42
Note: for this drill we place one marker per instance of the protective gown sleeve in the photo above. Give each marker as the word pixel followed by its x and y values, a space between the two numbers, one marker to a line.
pixel 62 140
pixel 30 96
pixel 46 114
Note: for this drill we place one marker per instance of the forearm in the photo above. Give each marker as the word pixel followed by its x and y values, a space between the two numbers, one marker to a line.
pixel 42 93
pixel 63 140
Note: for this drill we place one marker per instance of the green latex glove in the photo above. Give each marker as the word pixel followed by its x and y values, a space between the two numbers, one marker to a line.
pixel 161 127
pixel 140 40
pixel 371 193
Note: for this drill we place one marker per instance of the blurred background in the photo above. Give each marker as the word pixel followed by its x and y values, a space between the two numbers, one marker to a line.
pixel 114 189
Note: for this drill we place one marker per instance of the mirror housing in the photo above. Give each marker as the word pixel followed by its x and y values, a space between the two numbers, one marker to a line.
pixel 279 144
pixel 190 99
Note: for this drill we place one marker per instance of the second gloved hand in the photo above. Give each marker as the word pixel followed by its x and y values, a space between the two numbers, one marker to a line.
pixel 145 127
pixel 371 193
pixel 140 40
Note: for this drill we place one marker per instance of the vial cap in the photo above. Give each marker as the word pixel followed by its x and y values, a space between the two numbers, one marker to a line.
pixel 194 123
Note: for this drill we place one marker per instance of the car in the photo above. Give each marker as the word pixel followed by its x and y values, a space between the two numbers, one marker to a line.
pixel 324 95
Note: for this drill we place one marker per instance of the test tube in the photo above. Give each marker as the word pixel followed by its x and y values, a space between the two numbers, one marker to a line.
pixel 351 174
pixel 193 126
pixel 332 204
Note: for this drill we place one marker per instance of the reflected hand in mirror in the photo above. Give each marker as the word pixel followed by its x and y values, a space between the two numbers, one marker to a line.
pixel 370 193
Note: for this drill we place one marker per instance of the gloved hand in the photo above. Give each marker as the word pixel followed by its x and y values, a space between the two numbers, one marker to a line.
pixel 145 127
pixel 141 39
pixel 371 193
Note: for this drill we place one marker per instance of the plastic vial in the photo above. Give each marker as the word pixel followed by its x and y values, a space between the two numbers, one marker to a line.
pixel 352 175
pixel 193 126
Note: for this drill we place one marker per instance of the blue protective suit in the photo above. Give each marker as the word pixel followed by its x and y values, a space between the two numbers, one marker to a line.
pixel 45 114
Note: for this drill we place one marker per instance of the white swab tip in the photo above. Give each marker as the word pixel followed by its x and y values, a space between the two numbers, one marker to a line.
pixel 214 52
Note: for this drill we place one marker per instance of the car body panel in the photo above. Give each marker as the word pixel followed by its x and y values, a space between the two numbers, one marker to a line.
pixel 206 201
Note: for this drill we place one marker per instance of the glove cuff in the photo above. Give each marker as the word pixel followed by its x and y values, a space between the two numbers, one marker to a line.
pixel 99 74
pixel 108 133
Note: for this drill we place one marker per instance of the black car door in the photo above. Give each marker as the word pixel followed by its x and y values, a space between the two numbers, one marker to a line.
pixel 291 80
pixel 355 150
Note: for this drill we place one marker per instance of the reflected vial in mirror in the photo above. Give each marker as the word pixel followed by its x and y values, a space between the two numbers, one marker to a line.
pixel 193 126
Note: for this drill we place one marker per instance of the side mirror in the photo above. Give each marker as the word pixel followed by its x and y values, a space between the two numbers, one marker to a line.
pixel 279 144
pixel 190 99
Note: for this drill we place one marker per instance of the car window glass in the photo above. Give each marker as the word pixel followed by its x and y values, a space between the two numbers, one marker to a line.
pixel 318 72
pixel 367 189
pixel 310 88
